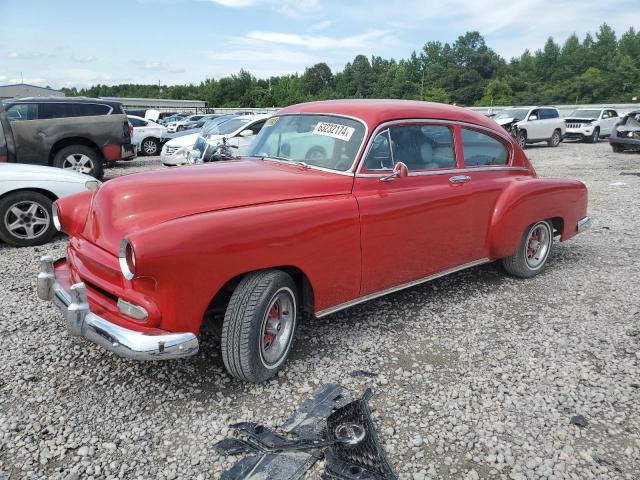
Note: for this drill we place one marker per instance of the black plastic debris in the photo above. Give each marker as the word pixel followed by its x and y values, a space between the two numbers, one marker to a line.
pixel 329 424
pixel 363 373
pixel 579 420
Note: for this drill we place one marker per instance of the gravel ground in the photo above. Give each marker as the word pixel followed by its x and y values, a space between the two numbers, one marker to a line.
pixel 478 374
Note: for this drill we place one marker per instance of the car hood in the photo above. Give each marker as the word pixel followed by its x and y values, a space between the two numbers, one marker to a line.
pixel 504 121
pixel 21 171
pixel 183 140
pixel 580 119
pixel 133 203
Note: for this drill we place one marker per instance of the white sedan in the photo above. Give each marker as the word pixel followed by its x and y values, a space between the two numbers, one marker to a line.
pixel 147 135
pixel 238 131
pixel 27 193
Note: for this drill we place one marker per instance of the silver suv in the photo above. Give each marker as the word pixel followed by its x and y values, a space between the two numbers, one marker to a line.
pixel 591 124
pixel 533 124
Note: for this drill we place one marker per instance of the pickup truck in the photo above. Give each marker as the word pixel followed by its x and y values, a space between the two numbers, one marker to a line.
pixel 80 134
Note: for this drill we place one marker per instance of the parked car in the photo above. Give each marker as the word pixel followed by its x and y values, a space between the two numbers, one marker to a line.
pixel 199 123
pixel 409 191
pixel 79 134
pixel 238 131
pixel 179 125
pixel 591 124
pixel 173 117
pixel 533 124
pixel 626 134
pixel 147 135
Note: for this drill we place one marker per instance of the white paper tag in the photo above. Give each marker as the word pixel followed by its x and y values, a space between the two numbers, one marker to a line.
pixel 335 130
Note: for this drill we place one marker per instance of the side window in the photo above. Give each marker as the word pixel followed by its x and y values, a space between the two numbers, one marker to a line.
pixel 613 114
pixel 552 113
pixel 54 110
pixel 422 147
pixel 480 149
pixel 379 156
pixel 89 109
pixel 534 113
pixel 22 111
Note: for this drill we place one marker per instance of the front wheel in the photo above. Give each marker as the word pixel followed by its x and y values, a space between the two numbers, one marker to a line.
pixel 259 325
pixel 554 141
pixel 595 136
pixel 617 148
pixel 533 252
pixel 522 139
pixel 150 146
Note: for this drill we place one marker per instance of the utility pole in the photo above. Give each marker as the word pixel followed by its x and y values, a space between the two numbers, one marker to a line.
pixel 422 85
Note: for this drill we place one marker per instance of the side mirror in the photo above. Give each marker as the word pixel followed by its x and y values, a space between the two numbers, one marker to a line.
pixel 246 133
pixel 400 170
pixel 532 118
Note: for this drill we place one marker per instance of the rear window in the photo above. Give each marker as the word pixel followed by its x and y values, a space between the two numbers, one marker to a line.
pixel 480 149
pixel 546 113
pixel 90 109
pixel 54 110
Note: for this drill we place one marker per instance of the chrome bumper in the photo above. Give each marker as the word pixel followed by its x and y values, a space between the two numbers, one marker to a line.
pixel 122 341
pixel 584 224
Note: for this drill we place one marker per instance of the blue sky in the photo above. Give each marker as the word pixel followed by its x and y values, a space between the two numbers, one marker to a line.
pixel 84 42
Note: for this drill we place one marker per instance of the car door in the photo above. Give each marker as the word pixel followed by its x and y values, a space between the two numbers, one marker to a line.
pixel 487 160
pixel 30 142
pixel 535 128
pixel 611 120
pixel 415 226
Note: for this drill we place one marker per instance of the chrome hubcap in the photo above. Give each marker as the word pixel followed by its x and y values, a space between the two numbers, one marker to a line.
pixel 149 147
pixel 537 246
pixel 277 328
pixel 78 162
pixel 26 220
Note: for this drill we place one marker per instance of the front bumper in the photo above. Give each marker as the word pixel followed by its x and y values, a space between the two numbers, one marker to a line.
pixel 120 340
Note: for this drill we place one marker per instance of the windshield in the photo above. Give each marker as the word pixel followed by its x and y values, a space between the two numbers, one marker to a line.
pixel 585 113
pixel 225 127
pixel 320 140
pixel 515 113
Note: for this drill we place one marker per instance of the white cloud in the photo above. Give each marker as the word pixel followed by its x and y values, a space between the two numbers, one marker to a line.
pixel 87 59
pixel 323 25
pixel 315 42
pixel 157 66
pixel 24 55
pixel 3 78
pixel 290 8
pixel 236 3
pixel 29 80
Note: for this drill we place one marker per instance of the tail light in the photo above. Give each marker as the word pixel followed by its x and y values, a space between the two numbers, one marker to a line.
pixel 127 130
pixel 3 158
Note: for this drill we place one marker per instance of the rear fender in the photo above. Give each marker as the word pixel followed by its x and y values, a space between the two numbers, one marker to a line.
pixel 527 201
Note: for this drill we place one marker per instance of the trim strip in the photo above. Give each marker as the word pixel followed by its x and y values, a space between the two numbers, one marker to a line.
pixel 447 171
pixel 381 293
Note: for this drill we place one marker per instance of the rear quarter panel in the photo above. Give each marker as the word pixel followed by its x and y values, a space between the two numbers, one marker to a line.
pixel 528 200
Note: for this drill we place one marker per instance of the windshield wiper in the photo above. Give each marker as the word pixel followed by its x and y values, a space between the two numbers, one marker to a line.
pixel 285 159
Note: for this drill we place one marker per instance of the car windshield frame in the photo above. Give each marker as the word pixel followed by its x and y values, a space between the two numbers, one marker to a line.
pixel 356 159
pixel 504 113
pixel 577 115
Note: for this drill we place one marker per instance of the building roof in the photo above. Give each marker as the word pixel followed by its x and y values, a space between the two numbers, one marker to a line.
pixel 374 112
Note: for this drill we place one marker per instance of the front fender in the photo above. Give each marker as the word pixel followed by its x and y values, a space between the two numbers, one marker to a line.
pixel 527 201
pixel 191 258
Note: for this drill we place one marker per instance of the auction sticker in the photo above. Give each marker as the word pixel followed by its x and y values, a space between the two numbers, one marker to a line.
pixel 335 130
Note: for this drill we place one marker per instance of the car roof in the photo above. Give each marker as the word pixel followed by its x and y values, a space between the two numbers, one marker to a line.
pixel 60 100
pixel 375 112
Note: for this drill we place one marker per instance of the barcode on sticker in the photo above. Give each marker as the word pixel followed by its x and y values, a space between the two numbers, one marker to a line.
pixel 335 130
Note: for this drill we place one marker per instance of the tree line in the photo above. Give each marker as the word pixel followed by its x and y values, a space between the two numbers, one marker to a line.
pixel 467 72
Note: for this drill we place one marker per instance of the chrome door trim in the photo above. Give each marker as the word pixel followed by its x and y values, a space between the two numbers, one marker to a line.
pixel 447 171
pixel 505 136
pixel 381 293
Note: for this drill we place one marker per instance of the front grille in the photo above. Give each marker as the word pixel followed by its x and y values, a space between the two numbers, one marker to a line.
pixel 170 150
pixel 574 125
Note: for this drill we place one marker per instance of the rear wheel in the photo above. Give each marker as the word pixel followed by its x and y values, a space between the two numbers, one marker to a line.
pixel 80 158
pixel 26 219
pixel 533 252
pixel 595 136
pixel 554 141
pixel 522 139
pixel 259 325
pixel 150 146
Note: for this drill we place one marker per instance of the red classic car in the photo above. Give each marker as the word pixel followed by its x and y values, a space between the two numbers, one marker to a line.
pixel 338 202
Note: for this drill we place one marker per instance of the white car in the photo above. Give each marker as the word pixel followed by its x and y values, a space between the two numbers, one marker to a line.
pixel 27 193
pixel 591 124
pixel 238 131
pixel 179 125
pixel 147 135
pixel 533 124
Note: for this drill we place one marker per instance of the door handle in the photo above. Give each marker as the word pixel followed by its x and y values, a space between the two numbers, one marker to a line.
pixel 459 179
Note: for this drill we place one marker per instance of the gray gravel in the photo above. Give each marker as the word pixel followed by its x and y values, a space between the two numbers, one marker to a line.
pixel 479 375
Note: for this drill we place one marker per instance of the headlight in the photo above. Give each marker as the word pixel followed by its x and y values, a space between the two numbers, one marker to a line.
pixel 55 214
pixel 92 184
pixel 127 259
